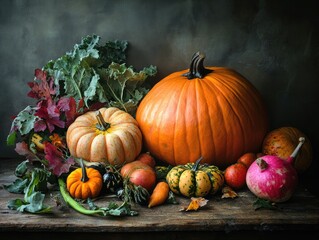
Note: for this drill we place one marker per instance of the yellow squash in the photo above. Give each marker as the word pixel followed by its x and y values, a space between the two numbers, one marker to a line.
pixel 195 179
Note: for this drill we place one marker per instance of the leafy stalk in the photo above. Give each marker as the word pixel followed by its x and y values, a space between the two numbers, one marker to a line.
pixel 33 196
pixel 116 98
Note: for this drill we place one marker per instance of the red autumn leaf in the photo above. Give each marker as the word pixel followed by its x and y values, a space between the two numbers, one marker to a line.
pixel 81 104
pixel 41 75
pixel 40 126
pixel 50 114
pixel 43 89
pixel 68 106
pixel 22 149
pixel 57 164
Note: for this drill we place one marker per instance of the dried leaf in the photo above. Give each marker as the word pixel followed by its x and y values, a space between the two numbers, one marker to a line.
pixel 195 204
pixel 228 192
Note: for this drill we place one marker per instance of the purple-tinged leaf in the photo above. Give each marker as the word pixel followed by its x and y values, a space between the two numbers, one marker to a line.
pixel 57 164
pixel 68 106
pixel 40 126
pixel 23 150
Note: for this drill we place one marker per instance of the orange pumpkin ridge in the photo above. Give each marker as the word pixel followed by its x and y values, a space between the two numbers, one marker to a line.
pixel 84 183
pixel 212 112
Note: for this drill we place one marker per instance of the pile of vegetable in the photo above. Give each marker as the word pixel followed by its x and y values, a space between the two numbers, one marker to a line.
pixel 97 130
pixel 87 78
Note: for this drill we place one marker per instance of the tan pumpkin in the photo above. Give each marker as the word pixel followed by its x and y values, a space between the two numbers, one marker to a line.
pixel 108 135
pixel 212 112
pixel 282 141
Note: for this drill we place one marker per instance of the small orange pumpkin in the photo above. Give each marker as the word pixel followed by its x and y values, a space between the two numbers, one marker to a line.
pixel 212 112
pixel 84 183
pixel 109 135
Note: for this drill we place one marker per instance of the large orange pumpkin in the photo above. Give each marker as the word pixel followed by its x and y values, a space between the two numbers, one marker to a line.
pixel 282 141
pixel 212 112
pixel 108 135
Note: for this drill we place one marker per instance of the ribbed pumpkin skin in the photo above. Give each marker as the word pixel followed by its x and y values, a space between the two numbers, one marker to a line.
pixel 200 182
pixel 120 143
pixel 220 117
pixel 84 190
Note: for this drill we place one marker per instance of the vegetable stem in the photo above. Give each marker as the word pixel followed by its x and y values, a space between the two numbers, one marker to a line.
pixel 120 101
pixel 197 69
pixel 196 164
pixel 84 174
pixel 101 125
pixel 295 152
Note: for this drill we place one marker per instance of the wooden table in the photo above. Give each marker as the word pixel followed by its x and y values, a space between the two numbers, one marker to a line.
pixel 220 218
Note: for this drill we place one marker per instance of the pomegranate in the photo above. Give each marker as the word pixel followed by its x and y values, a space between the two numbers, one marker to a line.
pixel 273 178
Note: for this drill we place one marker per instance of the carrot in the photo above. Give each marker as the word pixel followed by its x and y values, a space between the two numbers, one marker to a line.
pixel 159 194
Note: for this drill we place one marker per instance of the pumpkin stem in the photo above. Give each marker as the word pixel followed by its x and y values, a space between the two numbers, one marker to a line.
pixel 197 69
pixel 295 152
pixel 84 174
pixel 101 124
pixel 197 163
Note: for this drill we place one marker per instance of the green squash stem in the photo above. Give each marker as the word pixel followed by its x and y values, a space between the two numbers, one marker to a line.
pixel 194 168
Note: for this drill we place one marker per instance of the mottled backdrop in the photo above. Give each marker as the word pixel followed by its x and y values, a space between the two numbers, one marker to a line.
pixel 273 43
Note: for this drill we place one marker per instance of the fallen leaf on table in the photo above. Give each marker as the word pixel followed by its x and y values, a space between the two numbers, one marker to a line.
pixel 195 204
pixel 264 204
pixel 228 192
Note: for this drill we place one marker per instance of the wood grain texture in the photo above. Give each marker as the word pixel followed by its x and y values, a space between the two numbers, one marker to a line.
pixel 219 215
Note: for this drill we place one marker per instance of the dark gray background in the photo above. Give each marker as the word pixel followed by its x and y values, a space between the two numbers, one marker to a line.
pixel 273 43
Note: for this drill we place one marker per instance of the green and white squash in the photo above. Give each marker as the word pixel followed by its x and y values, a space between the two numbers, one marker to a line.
pixel 195 179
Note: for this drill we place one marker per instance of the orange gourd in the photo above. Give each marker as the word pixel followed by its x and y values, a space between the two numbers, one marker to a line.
pixel 213 112
pixel 108 135
pixel 282 141
pixel 84 183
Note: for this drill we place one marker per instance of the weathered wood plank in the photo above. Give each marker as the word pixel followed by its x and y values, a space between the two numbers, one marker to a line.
pixel 227 215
